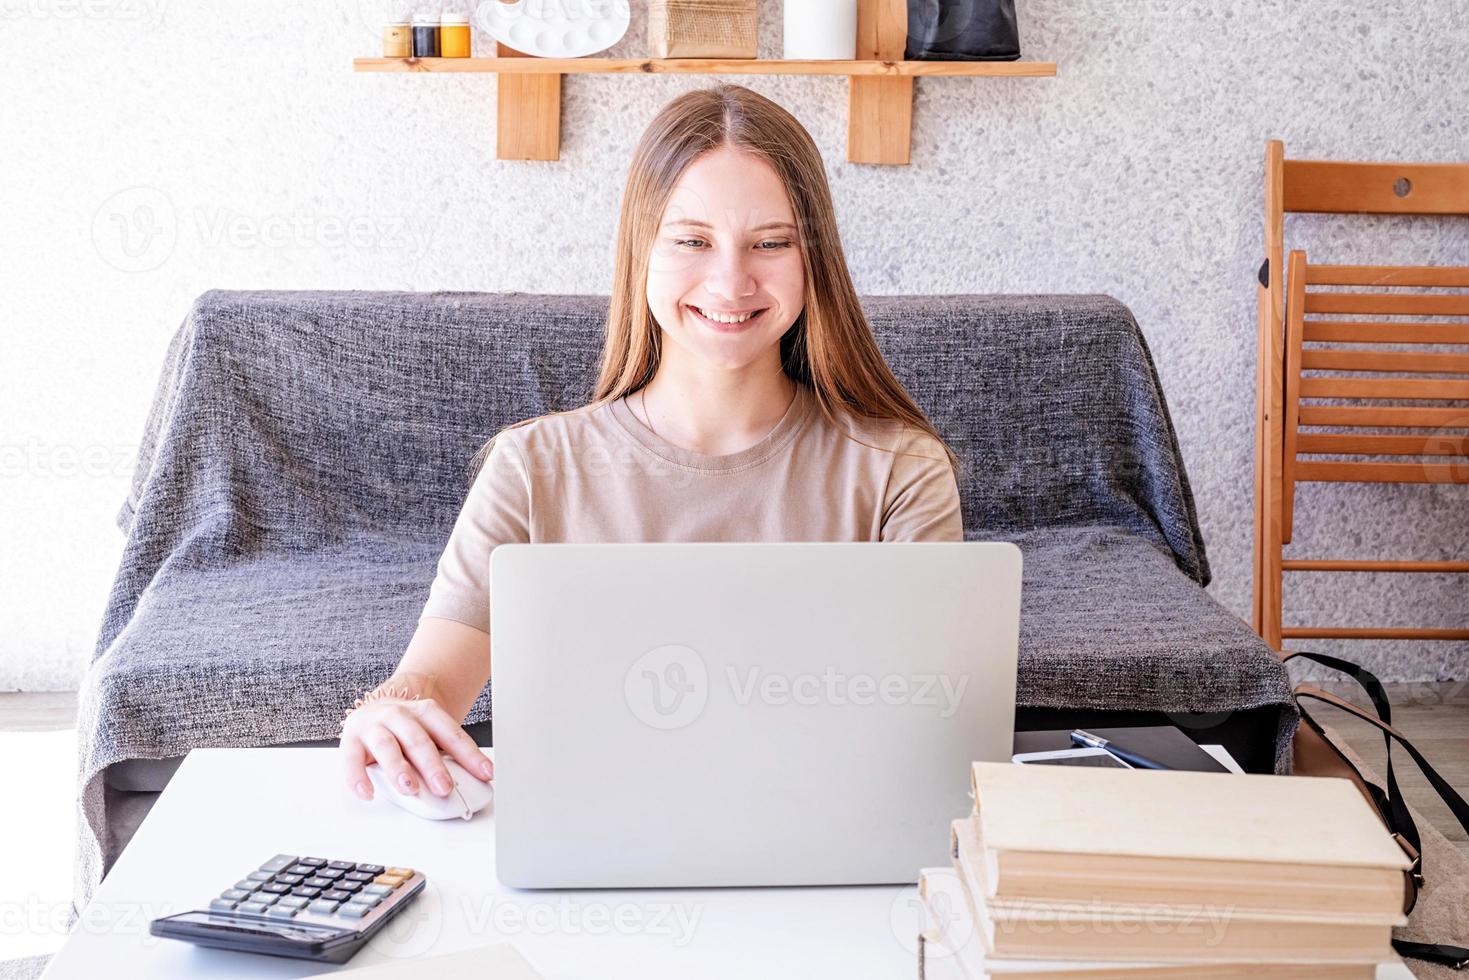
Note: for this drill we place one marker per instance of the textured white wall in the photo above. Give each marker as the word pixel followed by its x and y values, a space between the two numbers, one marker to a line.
pixel 152 149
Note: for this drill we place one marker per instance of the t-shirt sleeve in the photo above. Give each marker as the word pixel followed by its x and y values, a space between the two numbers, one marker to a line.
pixel 496 512
pixel 922 500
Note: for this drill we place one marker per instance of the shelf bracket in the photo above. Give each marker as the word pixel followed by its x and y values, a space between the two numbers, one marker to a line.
pixel 528 113
pixel 880 109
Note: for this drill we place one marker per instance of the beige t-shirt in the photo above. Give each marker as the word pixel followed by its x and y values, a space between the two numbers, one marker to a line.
pixel 599 475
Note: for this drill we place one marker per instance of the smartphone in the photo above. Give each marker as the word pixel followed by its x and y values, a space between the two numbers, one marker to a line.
pixel 1072 757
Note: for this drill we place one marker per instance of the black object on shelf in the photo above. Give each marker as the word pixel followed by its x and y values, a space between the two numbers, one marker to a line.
pixel 962 30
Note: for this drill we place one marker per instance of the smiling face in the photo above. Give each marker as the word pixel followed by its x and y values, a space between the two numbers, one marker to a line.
pixel 727 247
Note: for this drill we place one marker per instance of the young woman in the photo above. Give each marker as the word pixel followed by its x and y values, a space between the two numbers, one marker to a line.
pixel 742 398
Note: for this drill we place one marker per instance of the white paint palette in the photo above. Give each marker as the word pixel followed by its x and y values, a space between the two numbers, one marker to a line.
pixel 555 28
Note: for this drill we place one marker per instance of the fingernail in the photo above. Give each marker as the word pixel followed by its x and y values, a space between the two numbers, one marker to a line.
pixel 407 783
pixel 486 770
pixel 362 790
pixel 441 784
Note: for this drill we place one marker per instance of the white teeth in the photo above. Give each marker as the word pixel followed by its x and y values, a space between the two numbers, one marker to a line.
pixel 721 318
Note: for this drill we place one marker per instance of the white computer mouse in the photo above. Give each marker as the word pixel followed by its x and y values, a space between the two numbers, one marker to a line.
pixel 469 795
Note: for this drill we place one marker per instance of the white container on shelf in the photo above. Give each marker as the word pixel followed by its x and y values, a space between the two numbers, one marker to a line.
pixel 821 30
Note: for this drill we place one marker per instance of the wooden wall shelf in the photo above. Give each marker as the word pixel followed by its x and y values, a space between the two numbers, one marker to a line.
pixel 706 66
pixel 879 100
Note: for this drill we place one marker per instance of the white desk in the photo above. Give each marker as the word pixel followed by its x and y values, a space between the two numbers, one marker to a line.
pixel 227 810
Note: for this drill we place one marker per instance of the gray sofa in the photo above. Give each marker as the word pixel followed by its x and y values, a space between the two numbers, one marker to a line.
pixel 306 455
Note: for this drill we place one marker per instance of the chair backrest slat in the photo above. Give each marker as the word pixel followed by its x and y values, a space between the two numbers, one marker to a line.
pixel 1357 332
pixel 1409 388
pixel 1377 275
pixel 1384 416
pixel 1358 444
pixel 1334 187
pixel 1388 304
pixel 1329 359
pixel 1335 472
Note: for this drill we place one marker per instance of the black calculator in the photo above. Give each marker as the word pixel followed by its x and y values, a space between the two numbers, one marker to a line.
pixel 309 908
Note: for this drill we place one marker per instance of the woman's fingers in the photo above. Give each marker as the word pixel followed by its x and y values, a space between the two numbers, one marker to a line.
pixel 456 741
pixel 421 750
pixel 383 744
pixel 354 762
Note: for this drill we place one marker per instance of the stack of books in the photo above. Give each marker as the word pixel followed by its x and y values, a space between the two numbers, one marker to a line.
pixel 1104 874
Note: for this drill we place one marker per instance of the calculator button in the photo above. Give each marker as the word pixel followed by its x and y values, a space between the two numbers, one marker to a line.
pixel 302 891
pixel 246 885
pixel 376 890
pixel 354 910
pixel 312 862
pixel 392 881
pixel 330 873
pixel 285 878
pixel 371 869
pixel 348 886
pixel 292 902
pixel 370 901
pixel 341 865
pixel 221 905
pixel 258 876
pixel 315 882
pixel 279 863
pixel 322 907
pixel 360 875
pixel 281 911
pixel 305 870
pixel 235 894
pixel 336 895
pixel 400 872
pixel 254 908
pixel 275 888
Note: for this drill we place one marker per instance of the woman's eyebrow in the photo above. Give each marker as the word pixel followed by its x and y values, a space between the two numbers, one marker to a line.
pixel 694 223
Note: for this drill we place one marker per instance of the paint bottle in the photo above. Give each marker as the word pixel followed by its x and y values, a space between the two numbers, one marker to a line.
pixel 397 39
pixel 454 36
pixel 425 36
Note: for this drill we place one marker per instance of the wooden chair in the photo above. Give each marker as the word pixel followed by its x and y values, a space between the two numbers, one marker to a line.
pixel 1287 400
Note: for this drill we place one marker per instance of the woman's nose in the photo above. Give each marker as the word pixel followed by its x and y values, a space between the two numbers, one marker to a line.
pixel 730 280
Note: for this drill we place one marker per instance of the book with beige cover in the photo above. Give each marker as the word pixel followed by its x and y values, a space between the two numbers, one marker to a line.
pixel 949 948
pixel 1261 844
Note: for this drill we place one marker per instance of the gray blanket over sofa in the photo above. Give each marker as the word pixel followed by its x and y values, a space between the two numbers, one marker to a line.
pixel 307 453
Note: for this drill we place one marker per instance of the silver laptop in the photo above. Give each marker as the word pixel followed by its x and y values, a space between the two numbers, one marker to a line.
pixel 681 715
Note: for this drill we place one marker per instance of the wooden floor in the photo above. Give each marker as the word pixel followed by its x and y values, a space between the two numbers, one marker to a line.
pixel 1434 715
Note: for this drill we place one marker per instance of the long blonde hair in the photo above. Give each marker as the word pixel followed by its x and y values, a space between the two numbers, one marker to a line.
pixel 830 348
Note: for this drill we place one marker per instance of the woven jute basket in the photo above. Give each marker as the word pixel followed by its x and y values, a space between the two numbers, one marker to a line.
pixel 702 28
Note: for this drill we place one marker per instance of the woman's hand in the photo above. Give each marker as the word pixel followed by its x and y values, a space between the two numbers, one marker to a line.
pixel 406 738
